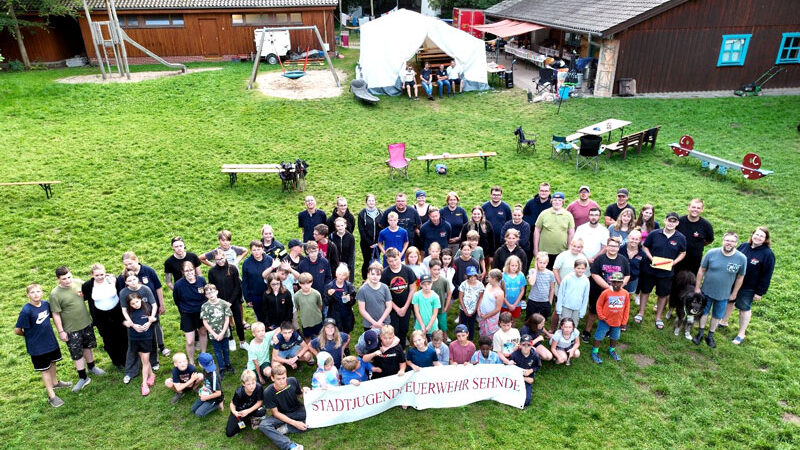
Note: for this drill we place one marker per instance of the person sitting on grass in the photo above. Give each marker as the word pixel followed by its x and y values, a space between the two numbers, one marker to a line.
pixel 564 343
pixel 355 370
pixel 420 355
pixel 288 347
pixel 613 306
pixel 462 349
pixel 326 374
pixel 210 396
pixel 283 398
pixel 216 316
pixel 528 361
pixel 389 358
pixel 33 323
pixel 184 377
pixel 485 355
pixel 506 340
pixel 331 340
pixel 140 336
pixel 534 327
pixel 426 307
pixel 439 347
pixel 258 353
pixel 246 405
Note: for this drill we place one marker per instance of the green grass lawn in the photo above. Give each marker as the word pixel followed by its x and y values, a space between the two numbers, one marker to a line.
pixel 141 163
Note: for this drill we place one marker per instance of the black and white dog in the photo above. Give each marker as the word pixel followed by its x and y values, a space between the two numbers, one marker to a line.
pixel 688 304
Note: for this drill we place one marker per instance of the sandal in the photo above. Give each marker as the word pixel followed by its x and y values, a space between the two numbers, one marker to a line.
pixel 660 324
pixel 737 340
pixel 637 318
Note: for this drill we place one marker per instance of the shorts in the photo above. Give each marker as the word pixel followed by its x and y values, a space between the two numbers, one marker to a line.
pixel 543 308
pixel 190 321
pixel 632 285
pixel 647 282
pixel 604 328
pixel 264 366
pixel 286 354
pixel 515 313
pixel 44 361
pixel 718 307
pixel 409 84
pixel 79 340
pixel 312 332
pixel 141 346
pixel 744 299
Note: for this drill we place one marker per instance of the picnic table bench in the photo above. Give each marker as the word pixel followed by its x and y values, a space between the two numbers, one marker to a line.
pixel 233 170
pixel 632 140
pixel 481 154
pixel 46 185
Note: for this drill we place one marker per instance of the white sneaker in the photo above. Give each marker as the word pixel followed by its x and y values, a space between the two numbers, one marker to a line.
pixel 126 379
pixel 244 346
pixel 688 335
pixel 97 371
pixel 166 351
pixel 156 367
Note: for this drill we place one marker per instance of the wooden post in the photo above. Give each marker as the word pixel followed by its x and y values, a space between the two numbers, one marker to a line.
pixel 94 40
pixel 257 59
pixel 114 21
pixel 327 58
pixel 18 35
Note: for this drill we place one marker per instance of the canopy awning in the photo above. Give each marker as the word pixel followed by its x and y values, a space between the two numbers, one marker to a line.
pixel 507 28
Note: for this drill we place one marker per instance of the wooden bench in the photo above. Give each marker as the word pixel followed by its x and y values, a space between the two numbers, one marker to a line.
pixel 481 154
pixel 48 192
pixel 233 170
pixel 637 140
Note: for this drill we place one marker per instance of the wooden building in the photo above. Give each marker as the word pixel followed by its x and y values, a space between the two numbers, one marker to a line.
pixel 196 30
pixel 667 45
pixel 59 40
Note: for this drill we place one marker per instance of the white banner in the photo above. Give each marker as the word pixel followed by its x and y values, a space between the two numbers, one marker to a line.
pixel 431 387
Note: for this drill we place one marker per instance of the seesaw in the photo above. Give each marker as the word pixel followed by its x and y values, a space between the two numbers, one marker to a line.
pixel 750 166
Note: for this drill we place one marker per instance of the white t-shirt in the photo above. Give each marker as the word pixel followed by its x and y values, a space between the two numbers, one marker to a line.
pixel 504 342
pixel 105 295
pixel 561 342
pixel 408 75
pixel 594 238
pixel 453 73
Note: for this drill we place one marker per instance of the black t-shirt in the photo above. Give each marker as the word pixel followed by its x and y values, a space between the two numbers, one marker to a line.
pixel 426 75
pixel 399 283
pixel 613 210
pixel 389 362
pixel 408 220
pixel 174 266
pixel 286 400
pixel 243 401
pixel 461 269
pixel 605 266
pixel 696 234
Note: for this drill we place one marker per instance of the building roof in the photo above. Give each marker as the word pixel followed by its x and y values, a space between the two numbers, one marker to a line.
pixel 207 4
pixel 599 17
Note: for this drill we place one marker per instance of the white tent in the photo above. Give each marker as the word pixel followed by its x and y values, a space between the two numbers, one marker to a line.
pixel 389 42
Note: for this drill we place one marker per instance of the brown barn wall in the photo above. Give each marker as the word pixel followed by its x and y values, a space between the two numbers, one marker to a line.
pixel 233 39
pixel 678 50
pixel 60 40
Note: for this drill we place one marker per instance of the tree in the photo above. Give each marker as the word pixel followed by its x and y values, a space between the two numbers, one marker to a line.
pixel 447 5
pixel 10 11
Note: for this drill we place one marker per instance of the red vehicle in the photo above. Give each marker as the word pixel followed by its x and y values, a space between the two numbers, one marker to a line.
pixel 464 19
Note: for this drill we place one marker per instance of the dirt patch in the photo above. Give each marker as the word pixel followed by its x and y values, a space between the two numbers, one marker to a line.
pixel 703 361
pixel 314 84
pixel 763 368
pixel 622 347
pixel 783 403
pixel 791 418
pixel 643 360
pixel 135 76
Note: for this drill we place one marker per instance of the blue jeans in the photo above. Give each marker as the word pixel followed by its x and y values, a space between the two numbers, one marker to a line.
pixel 442 84
pixel 632 285
pixel 718 307
pixel 269 426
pixel 603 328
pixel 428 88
pixel 221 352
pixel 203 408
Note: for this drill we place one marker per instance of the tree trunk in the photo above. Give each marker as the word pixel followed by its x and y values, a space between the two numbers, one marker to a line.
pixel 18 35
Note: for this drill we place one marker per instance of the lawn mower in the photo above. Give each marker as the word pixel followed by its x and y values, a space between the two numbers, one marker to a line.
pixel 754 88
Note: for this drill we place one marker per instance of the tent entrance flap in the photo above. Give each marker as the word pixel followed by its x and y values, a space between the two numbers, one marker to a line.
pixel 507 28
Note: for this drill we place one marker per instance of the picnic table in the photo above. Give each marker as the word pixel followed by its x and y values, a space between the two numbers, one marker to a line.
pixel 607 125
pixel 46 185
pixel 480 154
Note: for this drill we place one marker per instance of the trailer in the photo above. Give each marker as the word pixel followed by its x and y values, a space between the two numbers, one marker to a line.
pixel 276 44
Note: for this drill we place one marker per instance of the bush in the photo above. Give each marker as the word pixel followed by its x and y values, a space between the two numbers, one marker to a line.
pixel 16 66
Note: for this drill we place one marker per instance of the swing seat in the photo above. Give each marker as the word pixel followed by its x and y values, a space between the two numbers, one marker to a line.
pixel 294 74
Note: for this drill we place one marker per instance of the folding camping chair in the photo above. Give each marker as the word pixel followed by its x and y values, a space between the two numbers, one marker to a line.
pixel 589 151
pixel 397 161
pixel 561 149
pixel 547 80
pixel 522 141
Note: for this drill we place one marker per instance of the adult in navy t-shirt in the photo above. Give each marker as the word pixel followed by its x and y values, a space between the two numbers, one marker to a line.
pixel 497 215
pixel 39 336
pixel 309 218
pixel 435 230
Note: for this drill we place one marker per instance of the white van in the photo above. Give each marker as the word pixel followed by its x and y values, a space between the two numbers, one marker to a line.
pixel 276 44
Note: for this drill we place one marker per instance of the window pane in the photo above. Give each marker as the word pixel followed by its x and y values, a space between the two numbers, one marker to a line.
pixel 726 57
pixel 156 21
pixel 237 19
pixel 177 19
pixel 281 17
pixel 727 46
pixel 297 17
pixel 735 56
pixel 133 21
pixel 794 53
pixel 253 19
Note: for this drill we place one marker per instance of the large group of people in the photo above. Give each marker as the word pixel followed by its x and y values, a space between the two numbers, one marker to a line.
pixel 523 277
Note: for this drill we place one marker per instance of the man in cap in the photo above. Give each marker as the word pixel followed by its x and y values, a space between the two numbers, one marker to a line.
pixel 580 207
pixel 613 210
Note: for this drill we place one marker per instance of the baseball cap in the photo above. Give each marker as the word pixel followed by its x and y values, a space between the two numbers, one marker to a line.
pixel 207 362
pixel 471 271
pixel 329 321
pixel 425 279
pixel 559 195
pixel 584 187
pixel 420 193
pixel 461 328
pixel 526 339
pixel 371 340
pixel 672 215
pixel 295 243
pixel 622 191
pixel 617 276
